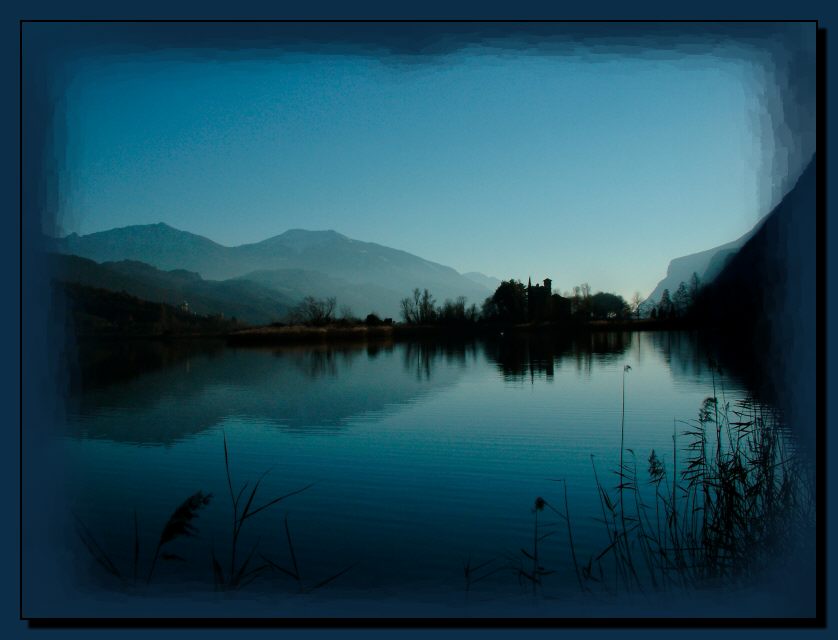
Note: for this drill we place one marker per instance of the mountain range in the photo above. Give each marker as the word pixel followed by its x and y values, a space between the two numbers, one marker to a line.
pixel 243 299
pixel 261 282
pixel 279 271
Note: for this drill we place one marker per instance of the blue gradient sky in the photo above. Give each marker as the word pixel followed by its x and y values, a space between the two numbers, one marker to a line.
pixel 577 168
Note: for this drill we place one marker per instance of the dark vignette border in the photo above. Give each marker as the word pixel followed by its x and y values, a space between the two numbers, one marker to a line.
pixel 817 622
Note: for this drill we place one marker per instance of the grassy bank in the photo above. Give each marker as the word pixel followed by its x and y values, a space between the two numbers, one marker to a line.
pixel 361 333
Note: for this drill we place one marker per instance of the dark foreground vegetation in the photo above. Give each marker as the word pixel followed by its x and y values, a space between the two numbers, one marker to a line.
pixel 732 500
pixel 231 569
pixel 92 312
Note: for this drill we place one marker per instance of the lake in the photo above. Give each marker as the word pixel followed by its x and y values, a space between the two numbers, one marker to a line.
pixel 423 458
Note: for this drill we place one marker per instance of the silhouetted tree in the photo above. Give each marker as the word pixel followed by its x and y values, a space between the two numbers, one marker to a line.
pixel 560 307
pixel 418 309
pixel 453 312
pixel 508 303
pixel 372 320
pixel 580 303
pixel 457 313
pixel 608 306
pixel 314 311
pixel 681 301
pixel 665 305
pixel 636 303
pixel 695 285
pixel 427 308
pixel 410 308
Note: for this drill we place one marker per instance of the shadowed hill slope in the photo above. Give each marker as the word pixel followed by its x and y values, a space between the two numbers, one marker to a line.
pixel 766 299
pixel 327 252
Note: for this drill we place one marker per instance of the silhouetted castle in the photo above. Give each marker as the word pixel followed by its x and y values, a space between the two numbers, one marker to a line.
pixel 539 300
pixel 544 305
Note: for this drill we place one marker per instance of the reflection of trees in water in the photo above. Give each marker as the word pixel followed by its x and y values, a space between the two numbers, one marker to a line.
pixel 375 349
pixel 686 355
pixel 320 361
pixel 527 355
pixel 603 347
pixel 296 388
pixel 421 357
pixel 689 354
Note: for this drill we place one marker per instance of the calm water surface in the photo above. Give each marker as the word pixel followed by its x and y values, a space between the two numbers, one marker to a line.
pixel 423 456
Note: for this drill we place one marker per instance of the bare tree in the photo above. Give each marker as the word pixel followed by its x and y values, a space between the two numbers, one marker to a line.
pixel 636 302
pixel 314 311
pixel 420 309
pixel 410 308
pixel 427 308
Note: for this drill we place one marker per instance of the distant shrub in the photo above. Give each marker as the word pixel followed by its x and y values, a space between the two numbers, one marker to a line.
pixel 373 320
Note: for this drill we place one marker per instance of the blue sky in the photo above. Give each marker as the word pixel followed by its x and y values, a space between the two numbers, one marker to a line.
pixel 580 168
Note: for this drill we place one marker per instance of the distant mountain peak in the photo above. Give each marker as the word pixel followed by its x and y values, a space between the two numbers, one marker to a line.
pixel 302 239
pixel 377 276
pixel 291 233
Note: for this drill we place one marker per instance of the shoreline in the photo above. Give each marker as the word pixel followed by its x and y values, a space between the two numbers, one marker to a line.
pixel 363 333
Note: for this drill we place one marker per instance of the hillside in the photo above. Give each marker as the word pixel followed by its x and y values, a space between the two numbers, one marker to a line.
pixel 766 299
pixel 93 312
pixel 361 299
pixel 707 264
pixel 393 273
pixel 245 300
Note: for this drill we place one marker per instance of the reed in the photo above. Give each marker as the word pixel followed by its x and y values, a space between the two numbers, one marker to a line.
pixel 239 572
pixel 732 503
pixel 295 573
pixel 178 525
pixel 737 503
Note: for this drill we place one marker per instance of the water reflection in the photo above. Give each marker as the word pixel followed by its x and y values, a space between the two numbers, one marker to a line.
pixel 160 393
pixel 536 355
pixel 423 457
pixel 302 389
pixel 422 357
pixel 101 364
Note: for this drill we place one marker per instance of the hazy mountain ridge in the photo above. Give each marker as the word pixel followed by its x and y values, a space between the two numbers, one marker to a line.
pixel 712 263
pixel 707 264
pixel 246 300
pixel 773 274
pixel 490 282
pixel 298 283
pixel 390 273
pixel 767 296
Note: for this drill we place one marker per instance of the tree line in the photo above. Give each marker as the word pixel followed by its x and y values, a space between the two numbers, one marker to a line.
pixel 681 304
pixel 512 302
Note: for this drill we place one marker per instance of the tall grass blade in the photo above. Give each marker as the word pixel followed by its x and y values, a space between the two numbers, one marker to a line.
pixel 95 550
pixel 180 524
pixel 331 579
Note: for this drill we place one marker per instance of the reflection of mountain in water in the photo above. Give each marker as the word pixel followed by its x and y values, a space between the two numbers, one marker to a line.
pixel 536 354
pixel 301 388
